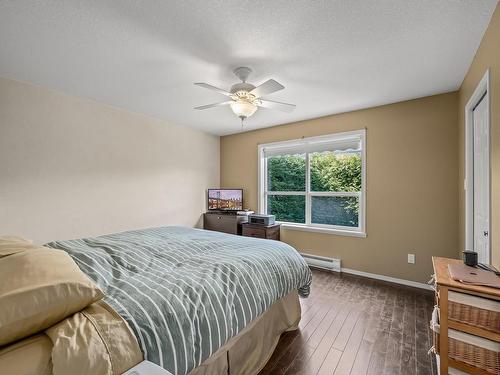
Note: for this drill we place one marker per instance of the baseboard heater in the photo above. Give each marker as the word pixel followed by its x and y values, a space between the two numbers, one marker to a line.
pixel 325 263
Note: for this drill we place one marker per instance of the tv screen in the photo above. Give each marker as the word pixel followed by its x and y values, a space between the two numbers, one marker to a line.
pixel 225 199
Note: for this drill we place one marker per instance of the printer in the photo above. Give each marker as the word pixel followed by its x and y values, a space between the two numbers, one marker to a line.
pixel 261 219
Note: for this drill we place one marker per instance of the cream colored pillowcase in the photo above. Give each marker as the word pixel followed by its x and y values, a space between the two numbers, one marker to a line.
pixel 12 244
pixel 30 356
pixel 38 288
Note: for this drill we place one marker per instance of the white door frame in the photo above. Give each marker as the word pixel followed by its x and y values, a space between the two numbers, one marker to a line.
pixel 482 90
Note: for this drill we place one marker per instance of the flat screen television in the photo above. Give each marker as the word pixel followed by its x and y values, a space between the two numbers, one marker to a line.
pixel 225 199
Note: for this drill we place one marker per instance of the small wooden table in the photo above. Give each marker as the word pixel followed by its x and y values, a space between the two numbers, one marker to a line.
pixel 270 232
pixel 444 283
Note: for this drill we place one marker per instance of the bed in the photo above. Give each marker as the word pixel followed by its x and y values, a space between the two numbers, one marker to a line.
pixel 198 302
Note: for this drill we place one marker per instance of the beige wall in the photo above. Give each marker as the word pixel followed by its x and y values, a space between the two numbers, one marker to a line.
pixel 71 167
pixel 487 56
pixel 412 195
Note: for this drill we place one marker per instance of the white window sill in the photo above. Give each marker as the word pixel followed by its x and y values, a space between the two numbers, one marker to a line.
pixel 310 228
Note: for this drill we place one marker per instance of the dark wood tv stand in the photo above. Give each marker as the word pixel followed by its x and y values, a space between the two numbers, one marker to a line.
pixel 224 222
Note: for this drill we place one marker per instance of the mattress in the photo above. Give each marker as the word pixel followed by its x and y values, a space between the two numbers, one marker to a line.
pixel 186 292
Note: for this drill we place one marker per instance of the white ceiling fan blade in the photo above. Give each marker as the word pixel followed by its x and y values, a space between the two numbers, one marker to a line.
pixel 213 105
pixel 271 104
pixel 267 88
pixel 210 87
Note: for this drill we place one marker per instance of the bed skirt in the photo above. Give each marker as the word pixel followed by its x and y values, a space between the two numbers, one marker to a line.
pixel 248 352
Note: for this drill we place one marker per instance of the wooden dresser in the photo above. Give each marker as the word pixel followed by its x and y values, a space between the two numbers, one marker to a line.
pixel 462 310
pixel 270 232
pixel 227 223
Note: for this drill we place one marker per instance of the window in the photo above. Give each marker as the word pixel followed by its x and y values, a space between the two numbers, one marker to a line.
pixel 315 184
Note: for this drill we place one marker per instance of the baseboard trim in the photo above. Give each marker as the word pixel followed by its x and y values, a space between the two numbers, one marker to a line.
pixel 390 279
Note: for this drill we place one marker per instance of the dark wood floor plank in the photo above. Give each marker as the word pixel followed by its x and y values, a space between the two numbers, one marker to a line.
pixel 331 362
pixel 310 328
pixel 320 332
pixel 376 303
pixel 296 347
pixel 355 325
pixel 300 365
pixel 363 356
pixel 395 339
pixel 309 315
pixel 408 364
pixel 324 347
pixel 428 312
pixel 377 360
pixel 423 343
pixel 281 364
pixel 346 330
pixel 351 350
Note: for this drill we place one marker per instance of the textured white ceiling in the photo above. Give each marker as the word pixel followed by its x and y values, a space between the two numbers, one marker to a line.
pixel 332 56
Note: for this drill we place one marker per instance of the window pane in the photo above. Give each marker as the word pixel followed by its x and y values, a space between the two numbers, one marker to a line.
pixel 335 171
pixel 290 208
pixel 335 211
pixel 286 173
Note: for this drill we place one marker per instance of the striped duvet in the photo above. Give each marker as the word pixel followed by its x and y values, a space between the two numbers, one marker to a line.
pixel 185 292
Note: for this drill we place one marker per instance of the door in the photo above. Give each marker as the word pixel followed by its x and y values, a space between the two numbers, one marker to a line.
pixel 481 185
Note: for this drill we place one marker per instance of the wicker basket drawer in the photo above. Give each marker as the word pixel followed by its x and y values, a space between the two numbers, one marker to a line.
pixel 451 370
pixel 474 311
pixel 473 350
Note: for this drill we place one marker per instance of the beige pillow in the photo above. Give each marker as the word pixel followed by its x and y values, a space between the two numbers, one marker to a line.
pixel 38 288
pixel 32 355
pixel 12 244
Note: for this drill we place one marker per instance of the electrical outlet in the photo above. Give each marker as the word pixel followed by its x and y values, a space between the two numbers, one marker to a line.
pixel 411 258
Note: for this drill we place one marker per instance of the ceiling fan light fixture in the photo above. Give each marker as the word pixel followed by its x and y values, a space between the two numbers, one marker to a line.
pixel 247 98
pixel 243 109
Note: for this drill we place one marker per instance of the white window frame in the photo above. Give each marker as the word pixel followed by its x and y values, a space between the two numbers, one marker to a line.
pixel 359 231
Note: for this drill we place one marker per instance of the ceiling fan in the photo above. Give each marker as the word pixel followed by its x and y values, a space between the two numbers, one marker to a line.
pixel 245 98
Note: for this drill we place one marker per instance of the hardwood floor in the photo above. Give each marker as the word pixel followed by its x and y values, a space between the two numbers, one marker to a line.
pixel 354 325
